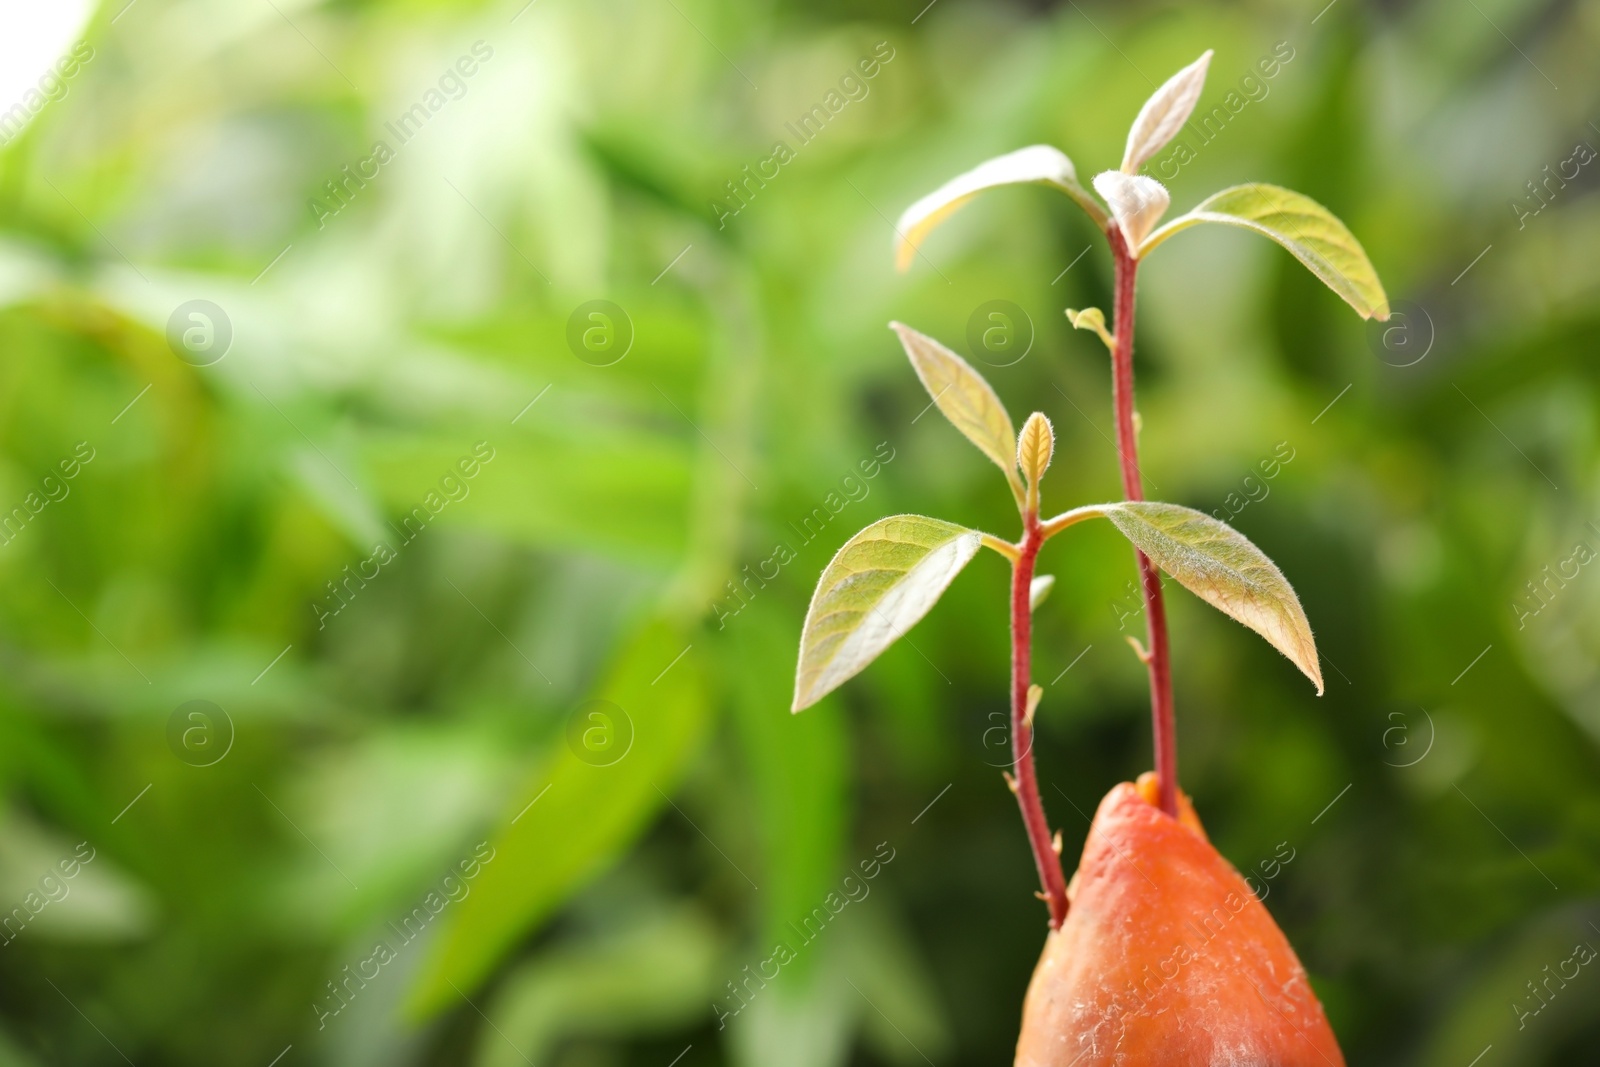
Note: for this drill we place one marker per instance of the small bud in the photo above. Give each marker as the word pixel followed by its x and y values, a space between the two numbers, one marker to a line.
pixel 1035 694
pixel 1056 843
pixel 1092 319
pixel 1039 589
pixel 1138 650
pixel 1035 444
pixel 1011 783
pixel 1138 423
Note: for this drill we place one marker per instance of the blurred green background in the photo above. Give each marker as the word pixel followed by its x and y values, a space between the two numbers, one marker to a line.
pixel 397 743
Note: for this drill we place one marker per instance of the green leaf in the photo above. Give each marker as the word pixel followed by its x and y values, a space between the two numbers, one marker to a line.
pixel 1035 445
pixel 646 973
pixel 574 817
pixel 964 397
pixel 798 1021
pixel 1304 227
pixel 881 583
pixel 543 487
pixel 1219 565
pixel 1038 164
pixel 797 780
pixel 1164 114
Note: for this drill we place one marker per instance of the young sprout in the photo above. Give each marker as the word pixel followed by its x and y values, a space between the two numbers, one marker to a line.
pixel 889 575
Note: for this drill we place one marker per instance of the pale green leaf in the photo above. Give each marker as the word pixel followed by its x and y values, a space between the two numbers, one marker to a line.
pixel 1037 164
pixel 1164 114
pixel 1092 319
pixel 1137 203
pixel 1303 226
pixel 880 584
pixel 1035 445
pixel 963 396
pixel 1219 565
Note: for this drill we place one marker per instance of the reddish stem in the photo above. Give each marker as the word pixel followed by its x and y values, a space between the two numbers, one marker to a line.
pixel 1026 784
pixel 1159 662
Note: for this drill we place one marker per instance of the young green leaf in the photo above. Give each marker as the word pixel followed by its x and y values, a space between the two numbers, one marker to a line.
pixel 1137 203
pixel 1164 114
pixel 1035 445
pixel 1303 226
pixel 964 398
pixel 1092 319
pixel 881 583
pixel 1037 164
pixel 1220 566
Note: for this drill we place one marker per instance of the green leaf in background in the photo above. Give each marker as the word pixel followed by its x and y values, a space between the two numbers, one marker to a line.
pixel 796 780
pixel 902 1018
pixel 880 584
pixel 1037 164
pixel 647 973
pixel 804 1023
pixel 1219 565
pixel 1303 226
pixel 539 860
pixel 965 398
pixel 544 487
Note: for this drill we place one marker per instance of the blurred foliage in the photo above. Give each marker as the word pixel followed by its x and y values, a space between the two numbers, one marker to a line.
pixel 228 509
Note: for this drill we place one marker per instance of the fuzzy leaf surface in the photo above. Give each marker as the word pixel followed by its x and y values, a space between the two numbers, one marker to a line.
pixel 962 394
pixel 1222 567
pixel 1164 114
pixel 878 586
pixel 1312 233
pixel 1038 164
pixel 1137 203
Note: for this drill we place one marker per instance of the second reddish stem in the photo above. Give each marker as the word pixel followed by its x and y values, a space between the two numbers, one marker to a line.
pixel 1159 661
pixel 1026 783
